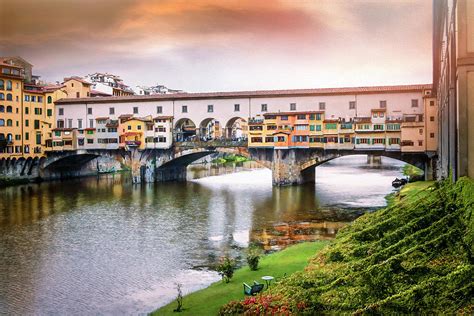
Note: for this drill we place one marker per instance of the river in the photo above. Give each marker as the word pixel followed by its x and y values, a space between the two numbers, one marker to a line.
pixel 102 245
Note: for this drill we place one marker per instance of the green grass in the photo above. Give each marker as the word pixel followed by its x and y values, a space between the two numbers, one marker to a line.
pixel 412 171
pixel 413 257
pixel 209 300
pixel 408 192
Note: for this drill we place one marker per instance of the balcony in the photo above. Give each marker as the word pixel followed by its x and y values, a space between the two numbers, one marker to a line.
pixel 133 143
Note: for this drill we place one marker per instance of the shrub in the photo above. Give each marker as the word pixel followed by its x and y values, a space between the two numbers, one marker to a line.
pixel 226 268
pixel 253 257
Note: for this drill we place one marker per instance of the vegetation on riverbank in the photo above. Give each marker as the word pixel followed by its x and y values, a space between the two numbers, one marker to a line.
pixel 412 172
pixel 209 300
pixel 230 159
pixel 413 257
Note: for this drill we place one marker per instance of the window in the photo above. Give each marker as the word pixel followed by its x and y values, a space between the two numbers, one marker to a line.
pixel 50 100
pixel 9 85
pixel 9 97
pixel 91 123
pixel 90 141
pixel 89 111
pixel 318 116
pixel 17 99
pixel 38 111
pixel 420 131
pixel 27 136
pixel 135 110
pixel 378 141
pixel 432 103
pixel 139 127
pixel 78 95
pixel 60 124
pixel 9 109
pixel 36 124
pixel 2 84
pixel 256 139
pixel 27 123
pixel 2 96
pixel 79 123
pixel 414 103
pixel 383 104
pixel 184 109
pixel 236 107
pixel 210 108
pixel 2 108
pixel 284 118
pixel 60 111
pixel 38 139
pixel 322 106
pixel 111 111
pixel 301 117
pixel 432 135
pixel 69 123
pixel 301 127
pixel 420 143
pixel 292 106
pixel 318 128
pixel 394 141
pixel 159 109
pixel 2 122
pixel 40 99
pixel 33 98
pixel 129 127
pixel 264 108
pixel 269 139
pixel 352 105
pixel 27 110
pixel 432 118
pixel 49 112
pixel 27 98
pixel 378 127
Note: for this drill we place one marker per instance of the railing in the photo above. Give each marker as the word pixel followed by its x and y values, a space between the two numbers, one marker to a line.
pixel 212 143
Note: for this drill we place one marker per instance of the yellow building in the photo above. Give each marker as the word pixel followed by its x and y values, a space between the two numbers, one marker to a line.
pixel 11 87
pixel 316 121
pixel 26 110
pixel 132 132
pixel 76 87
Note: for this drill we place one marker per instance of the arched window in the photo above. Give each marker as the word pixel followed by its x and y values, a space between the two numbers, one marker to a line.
pixel 2 84
pixel 9 97
pixel 9 137
pixel 50 99
pixel 9 109
pixel 2 96
pixel 2 122
pixel 2 136
pixel 9 123
pixel 9 85
pixel 2 108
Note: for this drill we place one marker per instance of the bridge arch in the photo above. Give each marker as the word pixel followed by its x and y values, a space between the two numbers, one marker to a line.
pixel 209 129
pixel 236 128
pixel 69 162
pixel 185 130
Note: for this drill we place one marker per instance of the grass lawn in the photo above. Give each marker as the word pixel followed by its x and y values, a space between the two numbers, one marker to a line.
pixel 408 191
pixel 208 301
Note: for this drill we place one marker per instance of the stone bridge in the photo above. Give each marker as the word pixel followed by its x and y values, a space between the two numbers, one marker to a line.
pixel 289 166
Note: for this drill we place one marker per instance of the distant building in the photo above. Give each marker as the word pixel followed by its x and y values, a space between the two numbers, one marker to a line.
pixel 105 84
pixel 158 89
pixel 76 87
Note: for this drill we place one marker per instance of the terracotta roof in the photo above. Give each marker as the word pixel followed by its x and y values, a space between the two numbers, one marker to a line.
pixel 90 129
pixel 164 117
pixel 63 129
pixel 3 63
pixel 125 115
pixel 53 87
pixel 112 124
pixel 362 119
pixel 131 133
pixel 99 93
pixel 331 120
pixel 292 113
pixel 103 118
pixel 378 110
pixel 255 94
pixel 77 79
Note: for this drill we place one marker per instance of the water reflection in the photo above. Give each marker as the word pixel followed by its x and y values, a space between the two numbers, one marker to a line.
pixel 106 246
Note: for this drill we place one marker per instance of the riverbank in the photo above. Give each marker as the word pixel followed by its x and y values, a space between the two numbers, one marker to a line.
pixel 413 257
pixel 209 300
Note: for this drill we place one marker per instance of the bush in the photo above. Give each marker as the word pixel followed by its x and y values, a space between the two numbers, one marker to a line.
pixel 253 257
pixel 226 268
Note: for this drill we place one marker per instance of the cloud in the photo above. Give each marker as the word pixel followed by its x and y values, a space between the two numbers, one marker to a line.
pixel 223 44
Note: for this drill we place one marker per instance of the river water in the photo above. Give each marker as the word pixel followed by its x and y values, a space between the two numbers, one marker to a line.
pixel 102 245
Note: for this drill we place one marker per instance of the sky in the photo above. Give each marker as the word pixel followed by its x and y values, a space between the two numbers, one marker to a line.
pixel 224 45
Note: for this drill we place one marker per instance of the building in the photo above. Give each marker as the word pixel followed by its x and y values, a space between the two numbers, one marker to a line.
pixel 105 84
pixel 153 90
pixel 338 118
pixel 453 85
pixel 26 110
pixel 76 87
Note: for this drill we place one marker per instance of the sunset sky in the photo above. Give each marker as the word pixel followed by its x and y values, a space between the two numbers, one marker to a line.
pixel 221 45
